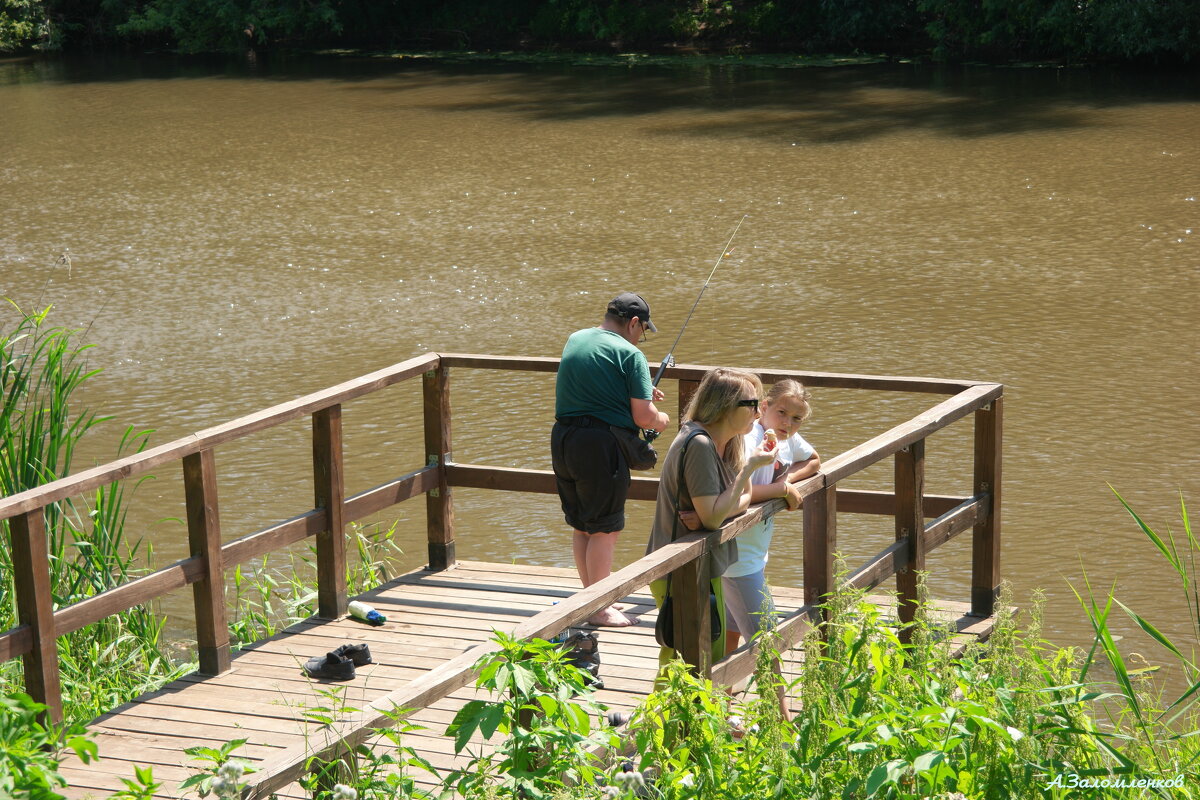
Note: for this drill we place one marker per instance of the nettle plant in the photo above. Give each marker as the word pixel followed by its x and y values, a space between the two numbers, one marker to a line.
pixel 546 717
pixel 224 775
pixel 30 749
pixel 378 769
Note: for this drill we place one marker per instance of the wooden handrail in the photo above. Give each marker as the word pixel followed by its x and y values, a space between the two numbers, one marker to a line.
pixel 185 572
pixel 694 372
pixel 143 462
pixel 887 443
pixel 891 559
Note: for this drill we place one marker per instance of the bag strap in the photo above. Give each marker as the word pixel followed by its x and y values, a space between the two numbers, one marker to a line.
pixel 679 480
pixel 679 488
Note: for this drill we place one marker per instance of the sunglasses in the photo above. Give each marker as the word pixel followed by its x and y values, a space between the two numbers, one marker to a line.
pixel 751 403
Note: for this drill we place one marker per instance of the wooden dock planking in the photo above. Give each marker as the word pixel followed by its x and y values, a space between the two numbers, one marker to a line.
pixel 432 618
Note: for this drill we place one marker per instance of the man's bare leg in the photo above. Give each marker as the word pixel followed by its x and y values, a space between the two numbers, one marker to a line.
pixel 593 561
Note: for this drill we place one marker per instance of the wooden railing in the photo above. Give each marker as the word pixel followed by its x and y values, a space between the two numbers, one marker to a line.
pixel 922 523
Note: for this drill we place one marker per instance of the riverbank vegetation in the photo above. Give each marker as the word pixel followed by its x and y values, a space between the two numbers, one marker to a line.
pixel 998 31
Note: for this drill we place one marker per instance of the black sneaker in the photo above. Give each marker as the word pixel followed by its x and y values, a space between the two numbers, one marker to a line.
pixel 331 666
pixel 360 654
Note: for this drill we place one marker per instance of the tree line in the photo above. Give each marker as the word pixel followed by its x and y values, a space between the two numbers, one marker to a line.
pixel 999 31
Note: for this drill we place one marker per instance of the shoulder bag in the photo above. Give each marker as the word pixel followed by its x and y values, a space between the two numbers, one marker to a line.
pixel 639 454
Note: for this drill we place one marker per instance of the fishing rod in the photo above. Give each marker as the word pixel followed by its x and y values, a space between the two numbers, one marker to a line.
pixel 668 359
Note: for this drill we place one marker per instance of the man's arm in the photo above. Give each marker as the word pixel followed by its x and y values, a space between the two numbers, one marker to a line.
pixel 646 415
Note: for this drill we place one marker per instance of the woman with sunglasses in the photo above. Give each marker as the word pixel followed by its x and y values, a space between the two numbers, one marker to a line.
pixel 707 471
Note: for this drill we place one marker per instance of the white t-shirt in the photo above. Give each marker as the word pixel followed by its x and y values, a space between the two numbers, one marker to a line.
pixel 754 543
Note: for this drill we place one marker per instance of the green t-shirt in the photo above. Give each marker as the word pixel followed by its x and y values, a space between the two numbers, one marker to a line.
pixel 599 374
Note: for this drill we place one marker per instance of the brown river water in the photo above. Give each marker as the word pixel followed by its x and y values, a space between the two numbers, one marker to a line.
pixel 242 233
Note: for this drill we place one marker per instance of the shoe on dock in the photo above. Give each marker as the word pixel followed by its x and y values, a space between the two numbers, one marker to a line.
pixel 360 654
pixel 331 666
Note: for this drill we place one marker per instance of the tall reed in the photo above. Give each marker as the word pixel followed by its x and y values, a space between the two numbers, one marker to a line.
pixel 42 368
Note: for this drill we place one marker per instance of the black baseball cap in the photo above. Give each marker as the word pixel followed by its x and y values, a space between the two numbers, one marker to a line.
pixel 628 305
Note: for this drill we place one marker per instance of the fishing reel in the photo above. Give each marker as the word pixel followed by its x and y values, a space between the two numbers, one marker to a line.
pixel 650 435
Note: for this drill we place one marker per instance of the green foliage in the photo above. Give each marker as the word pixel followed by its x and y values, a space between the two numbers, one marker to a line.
pixel 1070 30
pixel 20 24
pixel 223 774
pixel 602 20
pixel 543 709
pixel 30 749
pixel 1166 31
pixel 378 769
pixel 205 25
pixel 141 787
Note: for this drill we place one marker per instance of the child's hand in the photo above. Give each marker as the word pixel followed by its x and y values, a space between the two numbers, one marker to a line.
pixel 791 493
pixel 690 520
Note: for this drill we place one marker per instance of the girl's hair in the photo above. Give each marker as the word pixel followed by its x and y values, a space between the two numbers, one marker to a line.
pixel 718 396
pixel 794 390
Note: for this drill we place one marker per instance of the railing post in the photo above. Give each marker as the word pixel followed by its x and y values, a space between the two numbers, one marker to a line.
pixel 690 585
pixel 910 525
pixel 439 504
pixel 330 491
pixel 204 542
pixel 687 388
pixel 820 541
pixel 35 608
pixel 985 543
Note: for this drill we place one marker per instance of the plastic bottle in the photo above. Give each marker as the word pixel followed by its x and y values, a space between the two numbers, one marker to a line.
pixel 364 612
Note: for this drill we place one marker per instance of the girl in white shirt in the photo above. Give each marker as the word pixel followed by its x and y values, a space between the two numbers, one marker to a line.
pixel 744 582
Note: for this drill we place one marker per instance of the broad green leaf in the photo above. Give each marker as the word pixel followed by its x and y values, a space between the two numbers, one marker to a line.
pixel 490 719
pixel 884 774
pixel 928 760
pixel 501 679
pixel 524 679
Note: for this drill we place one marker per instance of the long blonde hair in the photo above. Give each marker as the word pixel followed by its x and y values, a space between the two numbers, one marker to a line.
pixel 718 396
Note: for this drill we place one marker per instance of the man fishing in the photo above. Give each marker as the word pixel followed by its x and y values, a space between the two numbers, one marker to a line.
pixel 603 380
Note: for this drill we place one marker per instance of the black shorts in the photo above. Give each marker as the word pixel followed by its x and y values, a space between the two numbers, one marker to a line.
pixel 591 474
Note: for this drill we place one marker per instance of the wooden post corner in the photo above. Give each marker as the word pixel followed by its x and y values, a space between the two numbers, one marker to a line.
pixel 439 502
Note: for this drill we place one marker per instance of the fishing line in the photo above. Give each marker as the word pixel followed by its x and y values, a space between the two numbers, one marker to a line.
pixel 668 360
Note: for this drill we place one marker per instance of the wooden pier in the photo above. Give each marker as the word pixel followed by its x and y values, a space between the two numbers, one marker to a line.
pixel 441 618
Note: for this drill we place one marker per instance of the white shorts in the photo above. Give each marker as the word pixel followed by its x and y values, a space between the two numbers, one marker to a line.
pixel 744 602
